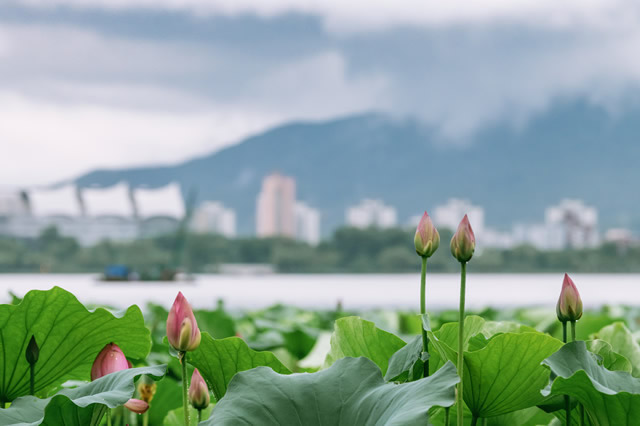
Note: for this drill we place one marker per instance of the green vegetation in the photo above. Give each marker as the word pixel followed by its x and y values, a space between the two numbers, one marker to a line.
pixel 348 250
pixel 516 366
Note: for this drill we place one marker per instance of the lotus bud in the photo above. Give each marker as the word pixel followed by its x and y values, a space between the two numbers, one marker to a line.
pixel 569 307
pixel 109 360
pixel 198 391
pixel 33 351
pixel 182 329
pixel 463 243
pixel 137 406
pixel 427 239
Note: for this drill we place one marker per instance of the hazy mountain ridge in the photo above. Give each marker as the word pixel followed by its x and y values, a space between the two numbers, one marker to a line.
pixel 572 150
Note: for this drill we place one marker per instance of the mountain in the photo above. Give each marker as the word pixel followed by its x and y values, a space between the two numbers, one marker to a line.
pixel 574 149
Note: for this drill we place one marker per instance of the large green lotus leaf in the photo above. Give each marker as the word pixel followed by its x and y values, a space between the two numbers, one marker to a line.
pixel 176 417
pixel 351 392
pixel 610 360
pixel 610 398
pixel 531 416
pixel 622 341
pixel 69 336
pixel 406 364
pixel 218 360
pixel 80 406
pixel 505 375
pixel 355 337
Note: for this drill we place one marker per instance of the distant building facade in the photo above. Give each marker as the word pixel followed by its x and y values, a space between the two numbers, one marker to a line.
pixel 94 214
pixel 212 217
pixel 372 212
pixel 450 214
pixel 307 223
pixel 275 213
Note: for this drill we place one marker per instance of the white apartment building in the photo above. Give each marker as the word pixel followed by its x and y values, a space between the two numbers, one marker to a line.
pixel 371 213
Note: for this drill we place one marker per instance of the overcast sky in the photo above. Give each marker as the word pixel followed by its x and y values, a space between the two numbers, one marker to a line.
pixel 112 83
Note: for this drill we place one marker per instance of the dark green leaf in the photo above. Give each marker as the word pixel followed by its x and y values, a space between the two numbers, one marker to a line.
pixel 609 397
pixel 68 335
pixel 219 360
pixel 352 392
pixel 355 337
pixel 78 406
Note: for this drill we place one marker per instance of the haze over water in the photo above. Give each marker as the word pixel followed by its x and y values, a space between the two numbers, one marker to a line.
pixel 355 291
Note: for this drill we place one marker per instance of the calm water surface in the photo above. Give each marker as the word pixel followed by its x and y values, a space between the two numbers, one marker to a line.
pixel 323 291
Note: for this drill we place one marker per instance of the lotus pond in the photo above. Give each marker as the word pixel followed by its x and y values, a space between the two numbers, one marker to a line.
pixel 362 367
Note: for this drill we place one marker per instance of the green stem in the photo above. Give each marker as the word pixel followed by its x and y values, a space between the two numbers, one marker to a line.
pixel 567 400
pixel 446 416
pixel 463 278
pixel 199 415
pixel 580 406
pixel 145 418
pixel 185 387
pixel 108 416
pixel 474 420
pixel 423 310
pixel 32 378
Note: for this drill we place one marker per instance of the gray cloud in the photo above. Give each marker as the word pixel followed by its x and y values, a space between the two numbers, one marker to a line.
pixel 136 76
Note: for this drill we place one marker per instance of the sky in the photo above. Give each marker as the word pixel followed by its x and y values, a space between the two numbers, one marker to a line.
pixel 88 84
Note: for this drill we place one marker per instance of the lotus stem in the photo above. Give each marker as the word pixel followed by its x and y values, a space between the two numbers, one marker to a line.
pixel 573 331
pixel 32 378
pixel 567 400
pixel 447 421
pixel 185 386
pixel 423 311
pixel 108 416
pixel 145 418
pixel 474 420
pixel 580 406
pixel 199 415
pixel 463 278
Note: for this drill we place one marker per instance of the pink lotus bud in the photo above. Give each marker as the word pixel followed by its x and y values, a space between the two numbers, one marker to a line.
pixel 427 239
pixel 109 360
pixel 463 243
pixel 198 391
pixel 569 307
pixel 137 406
pixel 182 329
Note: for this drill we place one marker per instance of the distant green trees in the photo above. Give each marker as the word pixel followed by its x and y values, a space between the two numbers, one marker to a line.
pixel 348 250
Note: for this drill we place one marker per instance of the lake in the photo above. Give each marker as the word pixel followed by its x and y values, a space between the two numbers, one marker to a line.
pixel 355 291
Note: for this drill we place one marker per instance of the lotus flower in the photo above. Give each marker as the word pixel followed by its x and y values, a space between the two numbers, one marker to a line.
pixel 182 329
pixel 198 391
pixel 137 406
pixel 427 238
pixel 463 243
pixel 109 360
pixel 569 307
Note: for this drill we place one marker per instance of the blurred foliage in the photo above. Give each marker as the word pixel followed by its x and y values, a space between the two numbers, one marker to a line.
pixel 348 250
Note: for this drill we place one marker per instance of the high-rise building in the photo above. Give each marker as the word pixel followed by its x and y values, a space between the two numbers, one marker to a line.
pixel 275 213
pixel 213 217
pixel 574 223
pixel 372 213
pixel 307 223
pixel 450 214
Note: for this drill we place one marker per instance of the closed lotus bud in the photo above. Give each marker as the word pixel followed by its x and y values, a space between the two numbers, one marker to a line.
pixel 569 307
pixel 137 406
pixel 182 329
pixel 463 243
pixel 198 391
pixel 33 351
pixel 109 360
pixel 427 238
